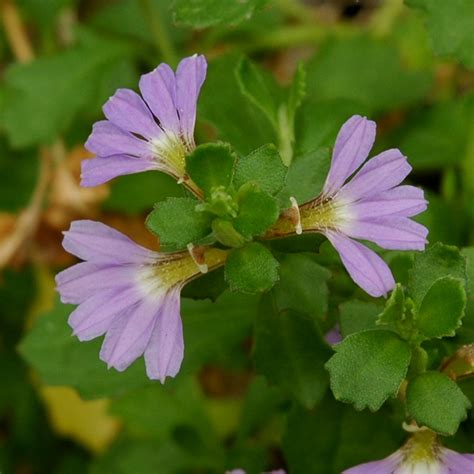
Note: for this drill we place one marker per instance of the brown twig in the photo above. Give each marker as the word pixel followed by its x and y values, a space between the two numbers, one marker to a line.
pixel 15 32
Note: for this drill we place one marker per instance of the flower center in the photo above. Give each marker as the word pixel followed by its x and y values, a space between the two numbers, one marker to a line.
pixel 171 152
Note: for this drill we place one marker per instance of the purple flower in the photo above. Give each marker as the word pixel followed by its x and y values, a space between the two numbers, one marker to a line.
pixel 130 294
pixel 422 454
pixel 150 133
pixel 333 336
pixel 370 206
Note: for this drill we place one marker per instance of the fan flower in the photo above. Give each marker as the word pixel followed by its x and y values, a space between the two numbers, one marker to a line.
pixel 422 454
pixel 130 294
pixel 155 132
pixel 370 206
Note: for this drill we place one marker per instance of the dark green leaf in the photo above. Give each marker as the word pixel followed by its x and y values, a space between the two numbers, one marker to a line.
pixel 204 13
pixel 263 167
pixel 251 269
pixel 291 353
pixel 177 223
pixel 435 401
pixel 437 262
pixel 211 166
pixel 356 316
pixel 383 82
pixel 258 211
pixel 442 308
pixel 368 368
pixel 302 286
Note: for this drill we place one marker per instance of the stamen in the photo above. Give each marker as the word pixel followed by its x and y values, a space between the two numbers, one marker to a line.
pixel 198 256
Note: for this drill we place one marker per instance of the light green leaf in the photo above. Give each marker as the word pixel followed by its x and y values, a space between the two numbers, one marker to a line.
pixel 176 222
pixel 205 13
pixel 437 262
pixel 450 27
pixel 442 308
pixel 368 368
pixel 257 211
pixel 435 401
pixel 264 167
pixel 251 269
pixel 211 166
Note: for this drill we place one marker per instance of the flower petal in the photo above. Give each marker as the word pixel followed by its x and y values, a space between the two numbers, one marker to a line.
pixel 129 335
pixel 100 170
pixel 126 110
pixel 365 267
pixel 458 463
pixel 158 88
pixel 94 317
pixel 85 279
pixel 404 201
pixel 384 171
pixel 107 139
pixel 392 232
pixel 190 76
pixel 353 144
pixel 91 240
pixel 383 466
pixel 165 351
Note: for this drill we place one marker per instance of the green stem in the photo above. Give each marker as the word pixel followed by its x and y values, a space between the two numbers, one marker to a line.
pixel 158 30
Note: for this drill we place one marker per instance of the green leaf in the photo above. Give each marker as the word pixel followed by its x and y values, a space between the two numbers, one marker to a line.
pixel 177 223
pixel 302 286
pixel 291 353
pixel 211 166
pixel 209 285
pixel 71 77
pixel 264 167
pixel 442 308
pixel 383 83
pixel 334 437
pixel 435 401
pixel 450 27
pixel 259 88
pixel 251 269
pixel 368 368
pixel 356 316
pixel 205 13
pixel 135 193
pixel 437 262
pixel 306 176
pixel 394 312
pixel 258 211
pixel 246 127
pixel 61 359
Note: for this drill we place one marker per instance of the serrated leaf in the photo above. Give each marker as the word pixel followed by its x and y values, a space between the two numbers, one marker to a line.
pixel 177 223
pixel 205 13
pixel 442 308
pixel 448 40
pixel 258 211
pixel 368 368
pixel 251 269
pixel 211 166
pixel 435 401
pixel 436 262
pixel 264 167
pixel 302 286
pixel 356 316
pixel 259 89
pixel 394 311
pixel 290 352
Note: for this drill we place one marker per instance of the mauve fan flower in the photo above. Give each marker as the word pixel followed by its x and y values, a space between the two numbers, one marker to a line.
pixel 130 294
pixel 422 454
pixel 155 132
pixel 370 206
